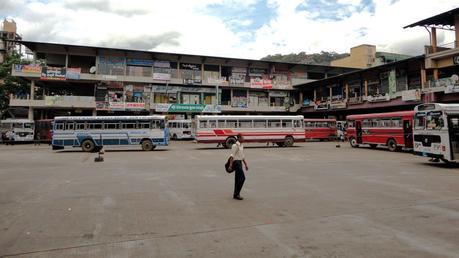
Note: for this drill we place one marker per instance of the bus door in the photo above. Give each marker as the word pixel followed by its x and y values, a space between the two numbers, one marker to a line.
pixel 408 133
pixel 453 129
pixel 358 131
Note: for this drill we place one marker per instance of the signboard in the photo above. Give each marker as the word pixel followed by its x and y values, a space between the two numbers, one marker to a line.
pixel 73 73
pixel 53 73
pixel 134 105
pixel 139 62
pixel 194 67
pixel 27 68
pixel 411 95
pixel 162 76
pixel 256 72
pixel 258 83
pixel 456 60
pixel 378 98
pixel 116 105
pixel 187 108
pixel 162 71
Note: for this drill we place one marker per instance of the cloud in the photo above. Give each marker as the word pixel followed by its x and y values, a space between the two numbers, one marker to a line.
pixel 234 28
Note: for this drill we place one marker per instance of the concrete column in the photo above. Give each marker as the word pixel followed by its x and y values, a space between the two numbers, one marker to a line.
pixel 30 114
pixel 32 89
pixel 315 95
pixel 347 90
pixel 330 90
pixel 435 74
pixel 94 112
pixel 301 98
pixel 434 40
pixel 366 88
pixel 423 78
pixel 456 30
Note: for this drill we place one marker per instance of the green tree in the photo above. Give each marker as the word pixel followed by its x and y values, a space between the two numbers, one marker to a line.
pixel 10 84
pixel 322 58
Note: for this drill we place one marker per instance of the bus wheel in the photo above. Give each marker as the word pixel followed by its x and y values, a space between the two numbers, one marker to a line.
pixel 373 146
pixel 392 145
pixel 229 142
pixel 288 142
pixel 147 145
pixel 353 142
pixel 88 146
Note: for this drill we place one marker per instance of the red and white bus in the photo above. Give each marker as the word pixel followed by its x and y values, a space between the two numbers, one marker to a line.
pixel 394 130
pixel 282 130
pixel 320 129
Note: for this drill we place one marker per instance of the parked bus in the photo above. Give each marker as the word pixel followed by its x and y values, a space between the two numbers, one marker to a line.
pixel 43 130
pixel 282 130
pixel 320 129
pixel 92 132
pixel 394 130
pixel 436 131
pixel 17 130
pixel 180 129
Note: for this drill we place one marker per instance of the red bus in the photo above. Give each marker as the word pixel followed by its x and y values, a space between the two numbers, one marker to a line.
pixel 319 129
pixel 394 130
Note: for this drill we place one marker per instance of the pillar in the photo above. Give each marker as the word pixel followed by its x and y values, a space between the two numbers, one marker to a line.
pixel 315 95
pixel 94 112
pixel 32 89
pixel 330 90
pixel 301 98
pixel 366 88
pixel 346 86
pixel 435 74
pixel 456 30
pixel 434 40
pixel 30 115
pixel 423 78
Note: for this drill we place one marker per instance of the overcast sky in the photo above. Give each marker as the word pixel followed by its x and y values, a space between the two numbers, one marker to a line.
pixel 233 28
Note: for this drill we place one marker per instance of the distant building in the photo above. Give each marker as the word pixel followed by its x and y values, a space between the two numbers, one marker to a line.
pixel 7 36
pixel 365 56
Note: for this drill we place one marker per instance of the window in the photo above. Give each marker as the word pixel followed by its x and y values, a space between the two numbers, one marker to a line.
pixel 186 125
pixel 69 126
pixel 397 122
pixel 375 122
pixel 419 121
pixel 297 123
pixel 287 123
pixel 386 122
pixel 202 124
pixel 129 126
pixel 59 126
pixel 259 124
pixel 212 124
pixel 366 123
pixel 144 125
pixel 309 124
pixel 274 123
pixel 351 123
pixel 245 124
pixel 231 124
pixel 80 126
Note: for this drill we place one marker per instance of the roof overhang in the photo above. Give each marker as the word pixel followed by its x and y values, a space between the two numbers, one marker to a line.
pixel 444 20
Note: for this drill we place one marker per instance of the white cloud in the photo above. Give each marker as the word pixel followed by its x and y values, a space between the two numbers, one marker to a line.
pixel 185 26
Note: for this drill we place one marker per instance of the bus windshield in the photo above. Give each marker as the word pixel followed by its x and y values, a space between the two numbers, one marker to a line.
pixel 420 121
pixel 434 121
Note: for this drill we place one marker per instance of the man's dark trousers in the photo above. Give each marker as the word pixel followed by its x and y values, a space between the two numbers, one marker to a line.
pixel 239 177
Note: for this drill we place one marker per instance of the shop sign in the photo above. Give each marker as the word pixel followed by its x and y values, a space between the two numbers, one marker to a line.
pixel 134 105
pixel 192 81
pixel 194 67
pixel 161 76
pixel 256 72
pixel 278 93
pixel 452 84
pixel 116 105
pixel 53 73
pixel 139 62
pixel 27 68
pixel 73 73
pixel 378 98
pixel 411 95
pixel 162 64
pixel 195 108
pixel 258 83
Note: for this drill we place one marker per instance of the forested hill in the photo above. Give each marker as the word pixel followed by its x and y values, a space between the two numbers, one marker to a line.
pixel 322 58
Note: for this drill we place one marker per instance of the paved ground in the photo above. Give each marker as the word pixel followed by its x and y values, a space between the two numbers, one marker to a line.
pixel 314 200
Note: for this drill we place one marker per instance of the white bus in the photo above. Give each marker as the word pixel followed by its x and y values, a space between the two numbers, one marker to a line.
pixel 282 130
pixel 92 132
pixel 436 131
pixel 17 130
pixel 180 129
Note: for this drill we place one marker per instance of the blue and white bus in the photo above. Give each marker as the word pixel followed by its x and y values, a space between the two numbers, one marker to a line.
pixel 92 132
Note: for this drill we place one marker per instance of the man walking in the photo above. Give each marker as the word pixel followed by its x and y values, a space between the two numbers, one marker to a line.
pixel 237 154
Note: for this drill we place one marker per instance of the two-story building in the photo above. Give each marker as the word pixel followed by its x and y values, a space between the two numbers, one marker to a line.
pixel 85 80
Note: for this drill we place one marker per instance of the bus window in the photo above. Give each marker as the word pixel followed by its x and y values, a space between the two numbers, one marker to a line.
pixel 202 124
pixel 419 121
pixel 28 125
pixel 309 124
pixel 397 122
pixel 434 121
pixel 297 123
pixel 350 124
pixel 385 122
pixel 375 122
pixel 231 123
pixel 212 124
pixel 274 123
pixel 245 124
pixel 110 126
pixel 144 125
pixel 128 126
pixel 69 126
pixel 79 126
pixel 259 124
pixel 186 125
pixel 287 123
pixel 366 123
pixel 59 126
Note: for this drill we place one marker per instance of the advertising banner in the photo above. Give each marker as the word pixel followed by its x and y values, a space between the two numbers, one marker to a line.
pixel 73 73
pixel 162 70
pixel 134 105
pixel 411 95
pixel 116 105
pixel 161 76
pixel 258 83
pixel 27 68
pixel 139 62
pixel 53 73
pixel 194 108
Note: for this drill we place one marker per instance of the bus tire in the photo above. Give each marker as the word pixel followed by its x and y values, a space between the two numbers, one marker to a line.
pixel 288 142
pixel 88 146
pixel 353 142
pixel 392 145
pixel 229 142
pixel 147 145
pixel 373 146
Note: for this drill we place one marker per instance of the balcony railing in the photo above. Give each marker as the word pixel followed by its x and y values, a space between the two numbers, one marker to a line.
pixel 53 101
